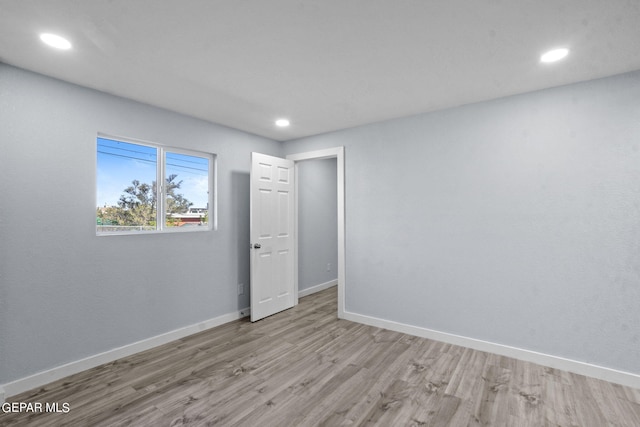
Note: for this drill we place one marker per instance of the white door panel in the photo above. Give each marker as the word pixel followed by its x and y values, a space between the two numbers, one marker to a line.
pixel 272 235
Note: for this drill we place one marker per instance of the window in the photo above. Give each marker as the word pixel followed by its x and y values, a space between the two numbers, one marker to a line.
pixel 129 199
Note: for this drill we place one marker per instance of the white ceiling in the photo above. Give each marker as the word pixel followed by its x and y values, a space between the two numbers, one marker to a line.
pixel 325 64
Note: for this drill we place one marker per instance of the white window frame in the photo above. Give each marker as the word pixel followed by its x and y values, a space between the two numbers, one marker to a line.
pixel 161 215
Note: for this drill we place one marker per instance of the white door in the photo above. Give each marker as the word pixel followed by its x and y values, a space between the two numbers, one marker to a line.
pixel 272 235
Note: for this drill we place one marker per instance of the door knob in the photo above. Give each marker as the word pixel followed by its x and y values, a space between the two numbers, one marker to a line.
pixel 257 246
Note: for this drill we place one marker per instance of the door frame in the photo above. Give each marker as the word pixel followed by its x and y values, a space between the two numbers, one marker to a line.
pixel 327 153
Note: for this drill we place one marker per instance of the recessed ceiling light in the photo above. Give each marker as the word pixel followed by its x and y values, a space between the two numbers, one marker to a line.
pixel 554 55
pixel 283 123
pixel 55 41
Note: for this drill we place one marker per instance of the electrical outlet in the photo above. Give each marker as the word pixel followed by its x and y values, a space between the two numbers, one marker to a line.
pixel 328 266
pixel 240 289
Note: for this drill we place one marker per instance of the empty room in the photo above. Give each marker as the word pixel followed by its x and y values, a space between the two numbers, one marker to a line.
pixel 305 212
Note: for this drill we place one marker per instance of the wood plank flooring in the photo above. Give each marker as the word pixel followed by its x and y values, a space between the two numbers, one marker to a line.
pixel 304 367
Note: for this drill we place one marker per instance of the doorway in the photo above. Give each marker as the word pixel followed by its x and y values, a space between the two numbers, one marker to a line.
pixel 329 153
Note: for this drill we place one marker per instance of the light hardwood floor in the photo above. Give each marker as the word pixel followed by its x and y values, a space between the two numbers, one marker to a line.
pixel 304 367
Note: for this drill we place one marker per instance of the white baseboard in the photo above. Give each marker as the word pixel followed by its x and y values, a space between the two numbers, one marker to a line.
pixel 54 374
pixel 317 288
pixel 581 368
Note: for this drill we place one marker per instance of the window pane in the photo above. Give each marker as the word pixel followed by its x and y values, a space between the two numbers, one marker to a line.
pixel 126 181
pixel 187 190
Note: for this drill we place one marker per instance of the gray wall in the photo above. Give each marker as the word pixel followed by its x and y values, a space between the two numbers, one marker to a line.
pixel 317 222
pixel 66 294
pixel 515 221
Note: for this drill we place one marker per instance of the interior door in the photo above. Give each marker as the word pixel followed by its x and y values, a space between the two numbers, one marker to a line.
pixel 272 235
